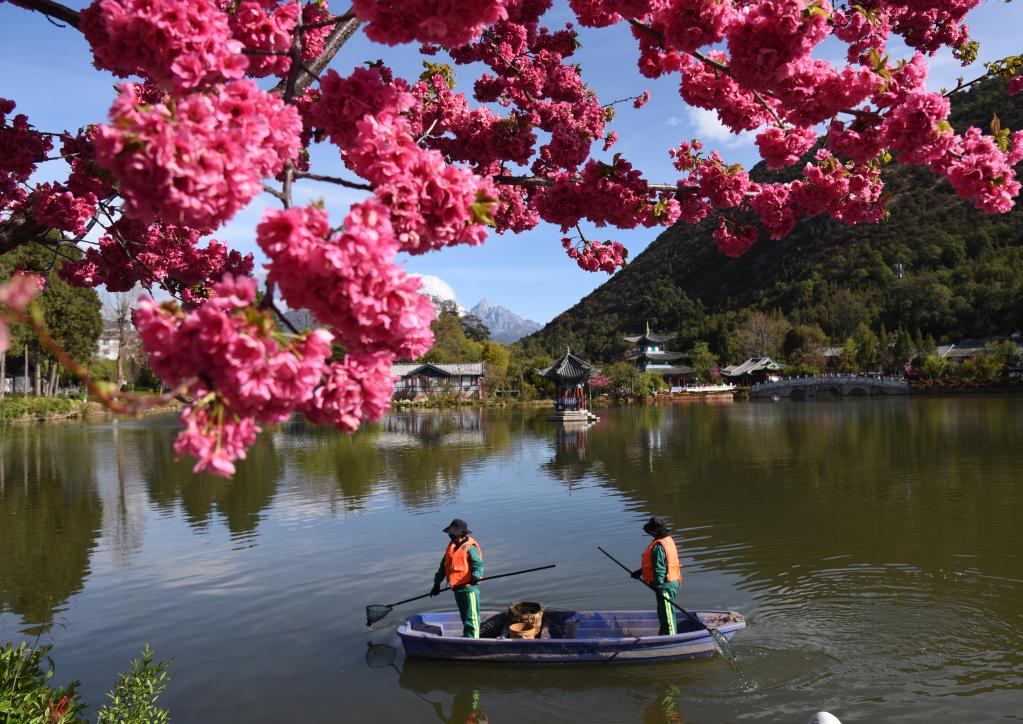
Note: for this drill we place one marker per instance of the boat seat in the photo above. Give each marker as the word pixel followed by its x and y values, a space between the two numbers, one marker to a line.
pixel 429 628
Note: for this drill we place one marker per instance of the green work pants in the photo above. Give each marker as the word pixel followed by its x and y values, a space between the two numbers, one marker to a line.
pixel 468 600
pixel 666 593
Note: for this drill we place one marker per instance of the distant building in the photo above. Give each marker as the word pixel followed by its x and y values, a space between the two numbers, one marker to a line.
pixel 752 371
pixel 570 375
pixel 416 380
pixel 649 355
pixel 109 343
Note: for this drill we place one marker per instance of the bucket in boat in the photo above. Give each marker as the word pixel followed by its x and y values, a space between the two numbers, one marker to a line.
pixel 527 612
pixel 522 631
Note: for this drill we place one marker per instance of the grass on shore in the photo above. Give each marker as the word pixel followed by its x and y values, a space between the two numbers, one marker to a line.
pixel 14 408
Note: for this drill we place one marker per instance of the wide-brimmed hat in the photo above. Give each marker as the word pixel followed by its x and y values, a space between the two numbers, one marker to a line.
pixel 458 527
pixel 656 526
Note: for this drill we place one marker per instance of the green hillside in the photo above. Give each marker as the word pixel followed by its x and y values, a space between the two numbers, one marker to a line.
pixel 936 267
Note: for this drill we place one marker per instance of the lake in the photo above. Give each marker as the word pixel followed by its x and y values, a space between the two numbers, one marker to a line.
pixel 875 547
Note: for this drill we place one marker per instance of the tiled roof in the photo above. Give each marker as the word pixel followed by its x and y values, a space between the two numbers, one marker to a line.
pixel 407 369
pixel 655 356
pixel 569 367
pixel 648 337
pixel 753 364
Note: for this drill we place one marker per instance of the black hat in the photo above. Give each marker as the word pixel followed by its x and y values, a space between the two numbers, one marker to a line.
pixel 657 526
pixel 458 527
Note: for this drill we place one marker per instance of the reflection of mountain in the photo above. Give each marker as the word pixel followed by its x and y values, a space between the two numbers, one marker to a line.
pixel 50 518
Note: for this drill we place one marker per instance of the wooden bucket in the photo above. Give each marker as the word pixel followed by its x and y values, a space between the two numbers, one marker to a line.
pixel 522 631
pixel 527 612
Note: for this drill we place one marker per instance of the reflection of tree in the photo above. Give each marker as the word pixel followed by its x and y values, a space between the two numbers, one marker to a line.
pixel 909 481
pixel 50 517
pixel 240 500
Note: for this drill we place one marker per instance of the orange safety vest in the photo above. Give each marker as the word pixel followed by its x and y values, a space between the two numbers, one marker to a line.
pixel 670 553
pixel 456 562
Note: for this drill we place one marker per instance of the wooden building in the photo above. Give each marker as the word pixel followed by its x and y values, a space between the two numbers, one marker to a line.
pixel 752 371
pixel 420 380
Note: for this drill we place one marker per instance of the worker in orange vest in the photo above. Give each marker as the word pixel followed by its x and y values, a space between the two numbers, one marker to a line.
pixel 462 567
pixel 661 571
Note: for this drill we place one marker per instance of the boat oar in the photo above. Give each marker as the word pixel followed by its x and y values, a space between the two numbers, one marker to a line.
pixel 376 611
pixel 724 645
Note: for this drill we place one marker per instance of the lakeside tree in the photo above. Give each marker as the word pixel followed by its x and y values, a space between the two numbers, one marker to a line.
pixel 197 140
pixel 703 361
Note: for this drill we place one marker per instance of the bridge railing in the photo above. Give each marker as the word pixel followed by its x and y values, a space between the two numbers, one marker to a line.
pixel 833 379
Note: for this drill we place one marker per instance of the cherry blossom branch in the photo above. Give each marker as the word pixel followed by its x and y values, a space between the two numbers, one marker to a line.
pixel 333 180
pixel 717 65
pixel 540 181
pixel 52 10
pixel 333 43
pixel 331 21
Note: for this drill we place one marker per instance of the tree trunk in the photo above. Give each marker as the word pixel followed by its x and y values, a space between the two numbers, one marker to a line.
pixel 24 372
pixel 3 374
pixel 120 365
pixel 51 387
pixel 39 379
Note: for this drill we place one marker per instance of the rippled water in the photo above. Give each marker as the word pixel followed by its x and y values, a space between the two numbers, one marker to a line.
pixel 874 546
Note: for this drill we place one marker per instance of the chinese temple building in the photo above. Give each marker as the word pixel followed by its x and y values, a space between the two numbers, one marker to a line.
pixel 649 355
pixel 569 375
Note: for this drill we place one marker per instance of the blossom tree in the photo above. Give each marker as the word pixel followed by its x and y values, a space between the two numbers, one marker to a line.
pixel 192 138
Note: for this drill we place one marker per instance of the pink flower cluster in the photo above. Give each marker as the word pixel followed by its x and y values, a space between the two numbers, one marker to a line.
pixel 131 253
pixel 781 147
pixel 226 352
pixel 267 26
pixel 17 293
pixel 607 256
pixel 356 390
pixel 733 238
pixel 447 22
pixel 981 172
pixel 21 148
pixel 198 160
pixel 348 280
pixel 179 45
pixel 614 194
pixel 56 207
pixel 432 204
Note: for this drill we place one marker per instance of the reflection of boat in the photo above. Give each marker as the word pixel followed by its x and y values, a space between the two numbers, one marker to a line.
pixel 707 389
pixel 566 637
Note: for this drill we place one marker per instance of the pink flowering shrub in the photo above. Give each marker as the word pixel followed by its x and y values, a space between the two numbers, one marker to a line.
pixel 21 148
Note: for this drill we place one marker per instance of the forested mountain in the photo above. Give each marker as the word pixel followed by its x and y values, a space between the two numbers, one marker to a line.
pixel 936 267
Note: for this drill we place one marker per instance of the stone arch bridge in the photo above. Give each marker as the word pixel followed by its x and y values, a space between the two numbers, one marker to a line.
pixel 808 388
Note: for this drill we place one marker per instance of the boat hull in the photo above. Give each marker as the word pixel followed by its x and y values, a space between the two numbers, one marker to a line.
pixel 580 637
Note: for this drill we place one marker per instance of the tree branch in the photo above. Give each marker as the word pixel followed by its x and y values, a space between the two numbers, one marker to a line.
pixel 51 9
pixel 333 180
pixel 337 38
pixel 540 181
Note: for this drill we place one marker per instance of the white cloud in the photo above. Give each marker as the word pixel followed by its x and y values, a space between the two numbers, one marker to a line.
pixel 436 287
pixel 712 132
pixel 673 121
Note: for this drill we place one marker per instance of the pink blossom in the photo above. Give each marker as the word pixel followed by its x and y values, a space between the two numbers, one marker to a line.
pixel 19 291
pixel 198 160
pixel 733 238
pixel 21 148
pixel 356 390
pixel 179 45
pixel 780 147
pixel 56 207
pixel 447 22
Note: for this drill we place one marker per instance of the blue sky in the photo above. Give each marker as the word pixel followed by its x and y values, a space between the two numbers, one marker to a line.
pixel 48 72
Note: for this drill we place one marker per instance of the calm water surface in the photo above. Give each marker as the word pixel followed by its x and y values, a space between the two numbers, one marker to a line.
pixel 876 548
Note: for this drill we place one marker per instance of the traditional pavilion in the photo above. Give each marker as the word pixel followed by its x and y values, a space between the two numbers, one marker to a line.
pixel 649 355
pixel 751 372
pixel 569 375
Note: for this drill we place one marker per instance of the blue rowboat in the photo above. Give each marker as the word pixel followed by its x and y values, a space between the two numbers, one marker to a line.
pixel 566 637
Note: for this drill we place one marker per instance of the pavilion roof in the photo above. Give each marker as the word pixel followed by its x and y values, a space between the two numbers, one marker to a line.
pixel 569 367
pixel 654 356
pixel 647 336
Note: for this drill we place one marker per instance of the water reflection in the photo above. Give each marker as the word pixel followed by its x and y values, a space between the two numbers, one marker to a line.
pixel 50 519
pixel 240 502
